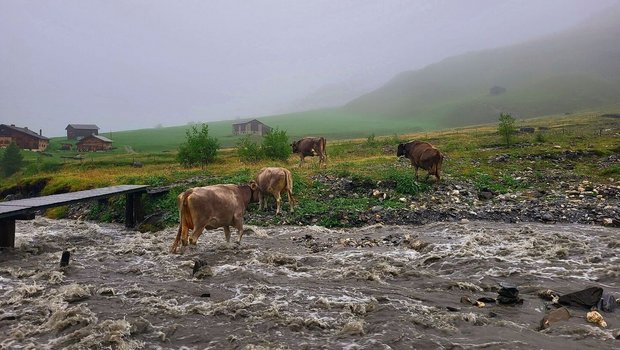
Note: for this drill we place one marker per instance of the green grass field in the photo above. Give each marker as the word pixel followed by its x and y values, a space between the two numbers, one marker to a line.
pixel 364 159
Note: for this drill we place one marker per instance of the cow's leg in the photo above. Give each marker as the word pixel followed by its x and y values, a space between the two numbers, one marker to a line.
pixel 227 233
pixel 184 235
pixel 197 232
pixel 238 222
pixel 278 202
pixel 416 173
pixel 290 199
pixel 261 201
pixel 177 240
pixel 301 160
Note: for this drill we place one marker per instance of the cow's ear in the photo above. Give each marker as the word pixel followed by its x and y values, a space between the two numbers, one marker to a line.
pixel 253 185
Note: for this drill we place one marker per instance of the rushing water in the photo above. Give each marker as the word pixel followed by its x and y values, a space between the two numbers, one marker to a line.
pixel 378 287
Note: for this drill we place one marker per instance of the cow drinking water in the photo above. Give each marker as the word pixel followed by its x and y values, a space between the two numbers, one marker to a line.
pixel 212 207
pixel 422 155
pixel 274 181
pixel 310 146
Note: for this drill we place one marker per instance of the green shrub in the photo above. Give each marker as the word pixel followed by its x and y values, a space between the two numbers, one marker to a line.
pixel 540 137
pixel 276 145
pixel 371 141
pixel 404 181
pixel 249 151
pixel 506 127
pixel 199 147
pixel 12 160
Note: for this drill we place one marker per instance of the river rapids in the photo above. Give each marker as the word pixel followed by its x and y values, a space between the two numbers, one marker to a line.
pixel 290 287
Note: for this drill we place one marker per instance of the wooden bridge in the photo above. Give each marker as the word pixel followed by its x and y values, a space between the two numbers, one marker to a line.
pixel 24 209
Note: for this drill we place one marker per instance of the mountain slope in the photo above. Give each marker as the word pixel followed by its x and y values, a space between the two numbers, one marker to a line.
pixel 573 70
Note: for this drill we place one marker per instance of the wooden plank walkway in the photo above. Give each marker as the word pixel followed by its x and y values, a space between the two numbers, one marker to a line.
pixel 25 208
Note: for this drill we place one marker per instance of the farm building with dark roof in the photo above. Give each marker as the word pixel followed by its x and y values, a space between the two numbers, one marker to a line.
pixel 77 131
pixel 253 126
pixel 24 138
pixel 93 143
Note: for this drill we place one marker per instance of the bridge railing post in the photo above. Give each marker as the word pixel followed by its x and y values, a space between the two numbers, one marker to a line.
pixel 7 233
pixel 133 209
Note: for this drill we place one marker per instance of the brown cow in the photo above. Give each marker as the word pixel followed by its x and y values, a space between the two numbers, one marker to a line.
pixel 212 207
pixel 275 181
pixel 310 146
pixel 422 155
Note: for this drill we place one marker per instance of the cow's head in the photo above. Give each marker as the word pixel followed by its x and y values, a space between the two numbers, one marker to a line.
pixel 401 150
pixel 295 146
pixel 255 191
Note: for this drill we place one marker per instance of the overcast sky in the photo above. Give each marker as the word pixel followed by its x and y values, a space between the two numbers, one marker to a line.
pixel 135 64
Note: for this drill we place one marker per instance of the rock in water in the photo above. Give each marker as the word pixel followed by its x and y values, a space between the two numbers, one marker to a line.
pixel 64 259
pixel 554 316
pixel 595 317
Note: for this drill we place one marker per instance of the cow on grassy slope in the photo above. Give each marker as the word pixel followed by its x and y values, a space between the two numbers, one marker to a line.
pixel 310 146
pixel 274 181
pixel 422 155
pixel 212 207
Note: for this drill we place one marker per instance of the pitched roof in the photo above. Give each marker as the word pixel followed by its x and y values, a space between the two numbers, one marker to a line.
pixel 102 138
pixel 25 131
pixel 83 126
pixel 245 121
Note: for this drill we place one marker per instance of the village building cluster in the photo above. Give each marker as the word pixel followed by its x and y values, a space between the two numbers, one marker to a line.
pixel 86 135
pixel 88 138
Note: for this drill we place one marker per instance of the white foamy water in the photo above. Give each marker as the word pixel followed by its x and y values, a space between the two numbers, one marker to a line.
pixel 377 287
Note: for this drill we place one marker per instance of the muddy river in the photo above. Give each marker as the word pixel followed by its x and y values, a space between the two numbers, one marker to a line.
pixel 287 287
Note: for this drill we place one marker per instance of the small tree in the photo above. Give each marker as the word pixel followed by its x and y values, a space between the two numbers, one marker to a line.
pixel 199 147
pixel 276 145
pixel 506 127
pixel 248 150
pixel 12 160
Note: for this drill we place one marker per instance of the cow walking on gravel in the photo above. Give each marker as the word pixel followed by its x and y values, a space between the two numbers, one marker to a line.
pixel 274 181
pixel 422 155
pixel 213 207
pixel 310 146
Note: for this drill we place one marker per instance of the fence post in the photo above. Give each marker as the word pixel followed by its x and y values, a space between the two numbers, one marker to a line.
pixel 7 233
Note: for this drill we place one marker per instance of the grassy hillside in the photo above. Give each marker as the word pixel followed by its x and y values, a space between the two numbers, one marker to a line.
pixel 590 138
pixel 95 169
pixel 330 123
pixel 567 72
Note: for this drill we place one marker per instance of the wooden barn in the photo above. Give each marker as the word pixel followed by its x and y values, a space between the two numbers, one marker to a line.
pixel 77 131
pixel 23 137
pixel 253 127
pixel 93 143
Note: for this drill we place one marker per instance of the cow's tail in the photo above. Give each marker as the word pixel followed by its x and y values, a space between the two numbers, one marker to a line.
pixel 185 219
pixel 436 168
pixel 289 188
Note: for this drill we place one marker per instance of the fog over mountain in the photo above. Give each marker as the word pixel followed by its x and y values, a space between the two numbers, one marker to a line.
pixel 136 64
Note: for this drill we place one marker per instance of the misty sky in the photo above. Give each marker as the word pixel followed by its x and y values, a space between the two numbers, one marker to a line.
pixel 136 64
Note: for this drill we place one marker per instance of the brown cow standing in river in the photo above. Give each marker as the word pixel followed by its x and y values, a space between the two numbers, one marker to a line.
pixel 310 146
pixel 274 181
pixel 422 155
pixel 212 207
